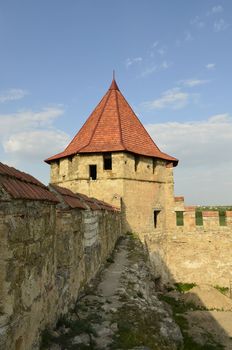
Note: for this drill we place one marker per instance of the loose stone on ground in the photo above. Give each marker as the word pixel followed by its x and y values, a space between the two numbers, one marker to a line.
pixel 121 309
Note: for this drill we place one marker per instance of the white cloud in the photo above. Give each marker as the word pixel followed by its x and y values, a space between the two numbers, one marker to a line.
pixel 162 51
pixel 165 65
pixel 188 36
pixel 155 44
pixel 156 68
pixel 198 22
pixel 26 120
pixel 216 9
pixel 157 47
pixel 211 19
pixel 36 144
pixel 149 71
pixel 210 66
pixel 174 98
pixel 31 134
pixel 193 82
pixel 130 61
pixel 12 95
pixel 202 148
pixel 220 25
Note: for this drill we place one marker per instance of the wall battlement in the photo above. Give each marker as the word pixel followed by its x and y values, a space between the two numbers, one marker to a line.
pixel 200 218
pixel 195 248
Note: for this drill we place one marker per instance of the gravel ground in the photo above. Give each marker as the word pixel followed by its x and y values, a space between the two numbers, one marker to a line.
pixel 119 310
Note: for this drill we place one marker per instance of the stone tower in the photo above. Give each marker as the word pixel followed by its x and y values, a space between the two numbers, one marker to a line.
pixel 114 159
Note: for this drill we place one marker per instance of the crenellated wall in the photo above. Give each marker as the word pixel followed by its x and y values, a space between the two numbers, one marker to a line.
pixel 193 250
pixel 48 252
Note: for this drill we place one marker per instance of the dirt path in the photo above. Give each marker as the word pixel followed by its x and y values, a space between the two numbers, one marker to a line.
pixel 120 311
pixel 110 279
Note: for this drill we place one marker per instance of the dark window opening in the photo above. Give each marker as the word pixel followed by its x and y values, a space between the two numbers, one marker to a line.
pixel 93 172
pixel 179 218
pixel 107 161
pixel 222 218
pixel 199 218
pixel 154 163
pixel 136 162
pixel 156 213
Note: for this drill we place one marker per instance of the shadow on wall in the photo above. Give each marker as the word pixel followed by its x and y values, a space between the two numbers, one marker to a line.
pixel 203 312
pixel 192 272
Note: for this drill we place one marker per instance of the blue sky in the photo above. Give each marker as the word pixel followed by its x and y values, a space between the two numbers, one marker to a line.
pixel 173 64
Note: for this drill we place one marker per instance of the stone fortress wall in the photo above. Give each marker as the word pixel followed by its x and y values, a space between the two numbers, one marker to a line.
pixel 180 251
pixel 195 248
pixel 51 245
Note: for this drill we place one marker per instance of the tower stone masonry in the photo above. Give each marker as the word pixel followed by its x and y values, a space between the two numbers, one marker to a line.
pixel 113 158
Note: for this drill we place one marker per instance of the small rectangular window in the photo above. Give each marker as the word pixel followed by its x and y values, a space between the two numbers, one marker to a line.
pixel 93 172
pixel 107 161
pixel 222 218
pixel 154 163
pixel 179 218
pixel 156 213
pixel 199 218
pixel 136 162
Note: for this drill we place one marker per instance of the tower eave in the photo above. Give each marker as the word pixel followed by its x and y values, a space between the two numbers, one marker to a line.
pixel 64 155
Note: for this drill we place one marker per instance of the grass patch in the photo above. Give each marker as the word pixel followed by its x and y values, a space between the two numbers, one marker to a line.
pixel 179 307
pixel 184 287
pixel 132 235
pixel 223 290
pixel 137 329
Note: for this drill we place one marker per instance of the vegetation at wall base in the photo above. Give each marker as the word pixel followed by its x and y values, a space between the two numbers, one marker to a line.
pixel 184 287
pixel 179 308
pixel 223 290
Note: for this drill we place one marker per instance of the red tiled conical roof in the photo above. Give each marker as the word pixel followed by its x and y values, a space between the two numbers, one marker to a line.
pixel 113 126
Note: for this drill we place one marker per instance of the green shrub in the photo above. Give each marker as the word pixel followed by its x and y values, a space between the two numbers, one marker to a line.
pixel 184 287
pixel 223 290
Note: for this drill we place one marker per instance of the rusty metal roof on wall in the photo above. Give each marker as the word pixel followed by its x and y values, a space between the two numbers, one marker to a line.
pixel 113 126
pixel 79 200
pixel 20 185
